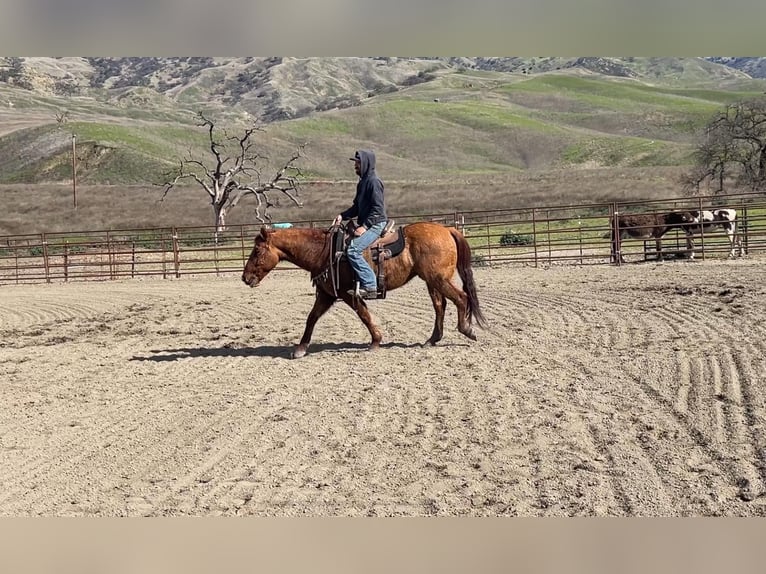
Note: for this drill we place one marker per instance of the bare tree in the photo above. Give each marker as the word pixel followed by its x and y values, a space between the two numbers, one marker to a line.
pixel 733 146
pixel 234 172
pixel 62 116
pixel 714 160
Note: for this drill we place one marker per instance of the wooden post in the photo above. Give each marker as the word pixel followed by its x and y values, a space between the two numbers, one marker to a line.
pixel 215 260
pixel 74 171
pixel 489 245
pixel 616 246
pixel 110 255
pixel 534 233
pixel 548 230
pixel 45 258
pixel 242 241
pixel 164 253
pixel 702 228
pixel 742 230
pixel 66 260
pixel 176 256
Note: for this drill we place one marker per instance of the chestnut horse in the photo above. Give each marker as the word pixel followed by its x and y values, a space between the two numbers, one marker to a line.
pixel 432 252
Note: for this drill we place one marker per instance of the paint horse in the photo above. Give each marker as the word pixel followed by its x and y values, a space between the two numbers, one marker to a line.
pixel 711 220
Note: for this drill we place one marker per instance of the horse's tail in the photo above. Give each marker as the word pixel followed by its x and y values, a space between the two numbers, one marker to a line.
pixel 466 275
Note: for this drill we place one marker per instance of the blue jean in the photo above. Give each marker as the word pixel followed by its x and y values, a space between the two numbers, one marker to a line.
pixel 365 274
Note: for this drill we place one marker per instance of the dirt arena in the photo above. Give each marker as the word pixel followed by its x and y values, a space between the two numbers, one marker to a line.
pixel 632 391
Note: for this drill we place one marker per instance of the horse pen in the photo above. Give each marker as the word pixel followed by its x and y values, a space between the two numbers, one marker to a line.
pixel 597 389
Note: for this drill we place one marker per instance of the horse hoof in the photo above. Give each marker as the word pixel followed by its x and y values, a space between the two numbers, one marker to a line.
pixel 471 335
pixel 374 347
pixel 299 352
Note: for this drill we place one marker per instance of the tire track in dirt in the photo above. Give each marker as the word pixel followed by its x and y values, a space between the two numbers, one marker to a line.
pixel 34 466
pixel 730 351
pixel 583 399
pixel 688 369
pixel 642 444
pixel 42 314
pixel 559 442
pixel 89 423
pixel 189 428
pixel 689 397
pixel 64 452
pixel 636 483
pixel 686 404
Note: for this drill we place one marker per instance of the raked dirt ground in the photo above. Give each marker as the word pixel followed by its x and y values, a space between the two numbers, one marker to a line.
pixel 631 391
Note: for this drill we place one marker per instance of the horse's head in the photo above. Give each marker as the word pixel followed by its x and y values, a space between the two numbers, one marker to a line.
pixel 680 218
pixel 263 259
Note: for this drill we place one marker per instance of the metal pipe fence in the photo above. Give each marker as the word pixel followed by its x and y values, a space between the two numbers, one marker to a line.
pixel 573 234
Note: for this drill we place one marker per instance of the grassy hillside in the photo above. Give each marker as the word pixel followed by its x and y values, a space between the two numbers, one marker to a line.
pixel 467 139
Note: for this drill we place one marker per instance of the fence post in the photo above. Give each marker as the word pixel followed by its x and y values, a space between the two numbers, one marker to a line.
pixel 579 235
pixel 702 228
pixel 164 253
pixel 132 259
pixel 534 233
pixel 615 244
pixel 66 260
pixel 489 243
pixel 218 241
pixel 744 249
pixel 459 221
pixel 45 258
pixel 548 228
pixel 110 255
pixel 176 257
pixel 242 240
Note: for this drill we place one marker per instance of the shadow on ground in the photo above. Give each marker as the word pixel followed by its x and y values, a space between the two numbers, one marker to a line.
pixel 282 352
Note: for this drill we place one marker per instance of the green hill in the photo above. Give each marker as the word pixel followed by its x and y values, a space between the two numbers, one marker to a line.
pixel 449 137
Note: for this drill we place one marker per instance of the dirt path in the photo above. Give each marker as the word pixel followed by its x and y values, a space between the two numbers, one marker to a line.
pixel 597 391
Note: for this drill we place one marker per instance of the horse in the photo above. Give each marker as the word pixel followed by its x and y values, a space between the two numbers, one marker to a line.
pixel 647 226
pixel 431 251
pixel 708 221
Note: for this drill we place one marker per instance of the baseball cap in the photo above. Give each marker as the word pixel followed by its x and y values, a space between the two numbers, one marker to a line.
pixel 355 158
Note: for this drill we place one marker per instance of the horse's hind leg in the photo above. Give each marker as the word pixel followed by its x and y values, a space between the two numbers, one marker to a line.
pixel 440 306
pixel 322 303
pixel 460 299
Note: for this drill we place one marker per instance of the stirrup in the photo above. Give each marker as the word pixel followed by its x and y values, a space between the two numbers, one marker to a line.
pixel 357 292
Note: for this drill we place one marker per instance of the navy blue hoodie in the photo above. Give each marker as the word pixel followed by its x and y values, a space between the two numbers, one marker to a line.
pixel 369 205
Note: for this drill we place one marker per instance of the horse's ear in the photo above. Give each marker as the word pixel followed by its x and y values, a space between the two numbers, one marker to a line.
pixel 265 232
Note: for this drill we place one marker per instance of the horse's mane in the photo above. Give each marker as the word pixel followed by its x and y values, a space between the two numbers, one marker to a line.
pixel 312 242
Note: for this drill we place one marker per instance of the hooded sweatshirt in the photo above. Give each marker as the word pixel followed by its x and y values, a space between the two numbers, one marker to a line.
pixel 369 205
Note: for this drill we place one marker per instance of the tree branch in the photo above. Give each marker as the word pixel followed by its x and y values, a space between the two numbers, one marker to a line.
pixel 228 185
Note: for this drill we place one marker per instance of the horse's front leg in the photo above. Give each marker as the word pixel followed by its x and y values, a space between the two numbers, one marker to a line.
pixel 690 245
pixel 363 312
pixel 733 245
pixel 322 303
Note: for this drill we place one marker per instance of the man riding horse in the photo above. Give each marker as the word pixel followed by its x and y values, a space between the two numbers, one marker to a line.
pixel 369 207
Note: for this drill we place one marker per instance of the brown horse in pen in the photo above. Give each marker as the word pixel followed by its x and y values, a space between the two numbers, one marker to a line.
pixel 432 252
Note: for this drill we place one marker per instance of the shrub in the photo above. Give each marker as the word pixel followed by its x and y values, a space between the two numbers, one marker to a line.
pixel 510 238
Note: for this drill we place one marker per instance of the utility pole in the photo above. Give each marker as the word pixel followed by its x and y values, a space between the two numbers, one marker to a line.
pixel 74 172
